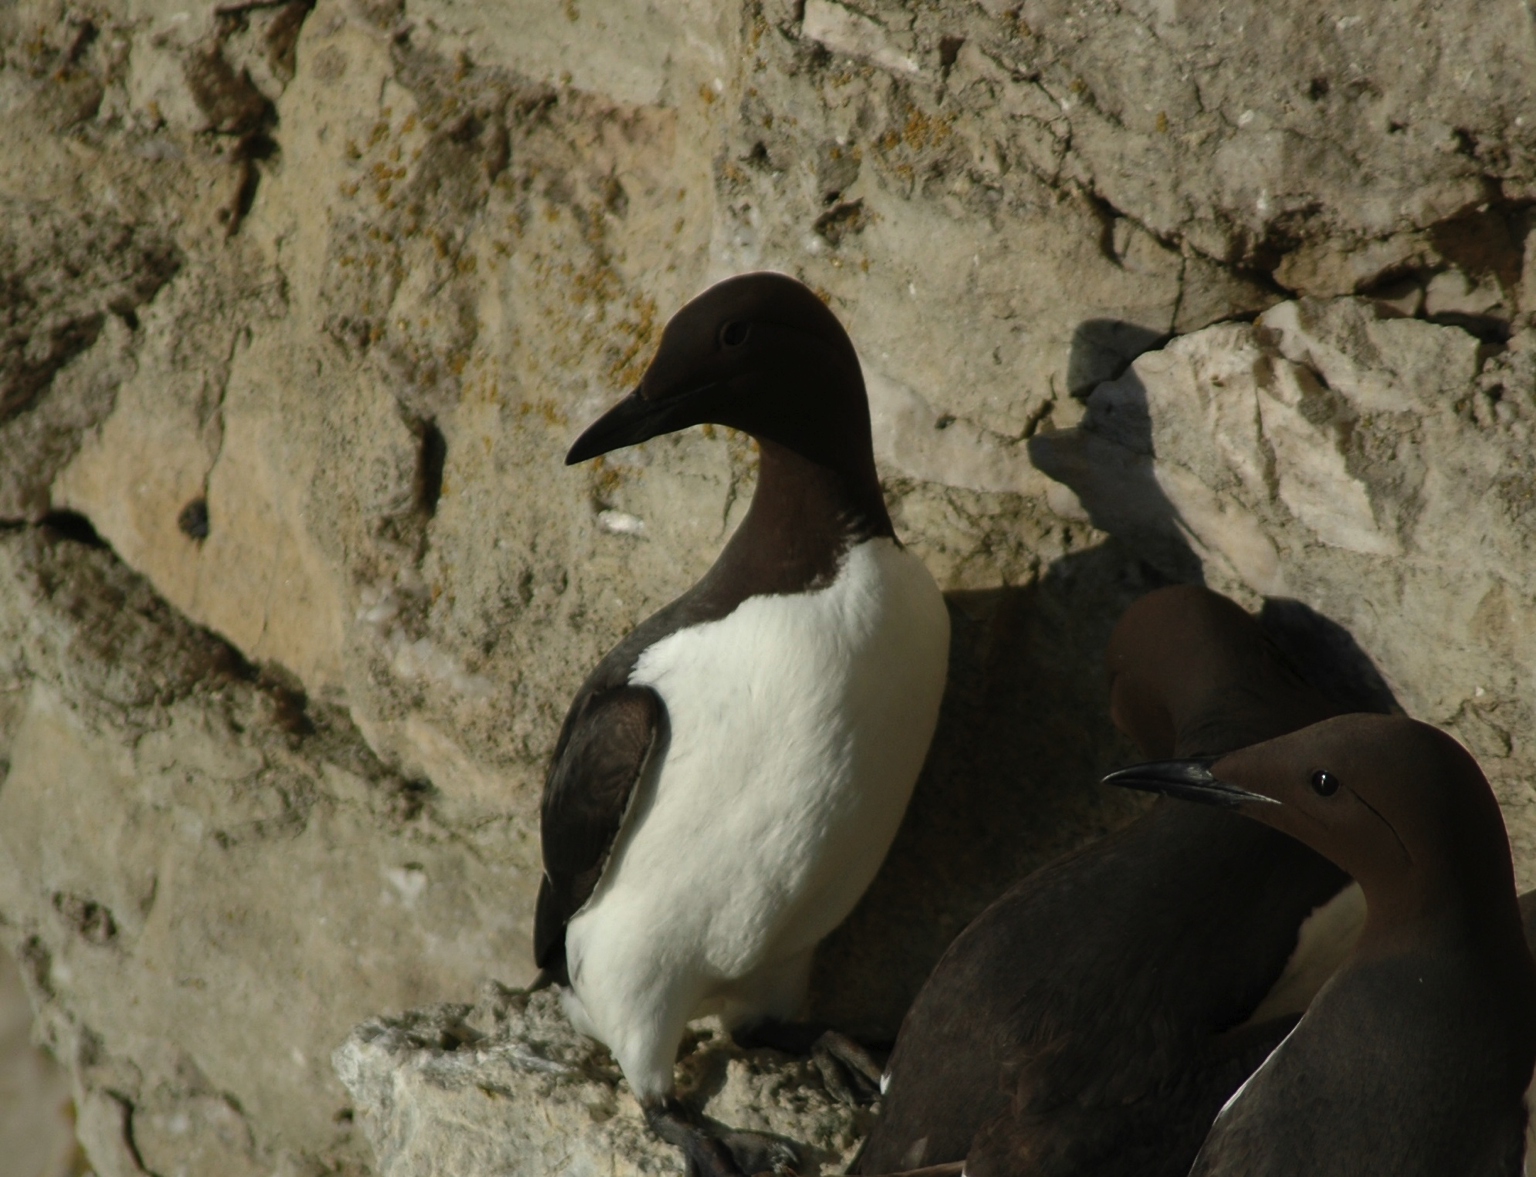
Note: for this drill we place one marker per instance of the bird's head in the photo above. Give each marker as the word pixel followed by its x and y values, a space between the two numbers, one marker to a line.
pixel 760 353
pixel 1398 804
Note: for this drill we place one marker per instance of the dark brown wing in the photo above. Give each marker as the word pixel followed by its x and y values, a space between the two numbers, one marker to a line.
pixel 607 739
pixel 1156 1135
pixel 1094 984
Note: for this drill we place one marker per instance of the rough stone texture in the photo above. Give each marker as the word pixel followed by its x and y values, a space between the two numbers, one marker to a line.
pixel 1378 468
pixel 447 1090
pixel 253 871
pixel 37 1137
pixel 301 303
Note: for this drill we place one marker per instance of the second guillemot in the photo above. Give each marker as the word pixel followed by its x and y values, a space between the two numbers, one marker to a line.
pixel 730 776
pixel 1414 1058
pixel 1087 1022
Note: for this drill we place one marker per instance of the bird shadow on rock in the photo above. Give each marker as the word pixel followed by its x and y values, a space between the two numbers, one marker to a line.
pixel 1024 732
pixel 1009 784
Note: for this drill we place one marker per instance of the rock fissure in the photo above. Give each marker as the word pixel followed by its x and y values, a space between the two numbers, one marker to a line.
pixel 126 1110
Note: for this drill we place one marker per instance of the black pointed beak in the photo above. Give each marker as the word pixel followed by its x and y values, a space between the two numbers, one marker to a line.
pixel 1189 780
pixel 633 420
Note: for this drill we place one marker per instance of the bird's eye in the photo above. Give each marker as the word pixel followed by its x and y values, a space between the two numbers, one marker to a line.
pixel 733 334
pixel 1324 783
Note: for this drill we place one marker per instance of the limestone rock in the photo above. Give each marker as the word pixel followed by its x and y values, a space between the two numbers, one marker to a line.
pixel 306 302
pixel 69 294
pixel 36 1135
pixel 258 882
pixel 506 1086
pixel 1376 468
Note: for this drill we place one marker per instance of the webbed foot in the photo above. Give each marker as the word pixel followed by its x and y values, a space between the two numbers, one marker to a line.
pixel 709 1153
pixel 848 1070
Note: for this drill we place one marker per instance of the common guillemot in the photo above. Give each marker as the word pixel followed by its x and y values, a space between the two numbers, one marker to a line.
pixel 1089 1022
pixel 1414 1059
pixel 730 776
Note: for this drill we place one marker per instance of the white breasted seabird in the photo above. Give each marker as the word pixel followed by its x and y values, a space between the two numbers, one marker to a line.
pixel 1414 1059
pixel 730 776
pixel 1089 1023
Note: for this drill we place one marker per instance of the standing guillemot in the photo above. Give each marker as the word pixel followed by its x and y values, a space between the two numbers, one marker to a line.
pixel 1415 1057
pixel 1090 1020
pixel 730 776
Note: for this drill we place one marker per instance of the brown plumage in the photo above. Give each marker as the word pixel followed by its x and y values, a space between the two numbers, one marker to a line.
pixel 1086 1024
pixel 1414 1058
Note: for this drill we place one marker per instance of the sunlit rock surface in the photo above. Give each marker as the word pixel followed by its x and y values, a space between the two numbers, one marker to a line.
pixel 302 303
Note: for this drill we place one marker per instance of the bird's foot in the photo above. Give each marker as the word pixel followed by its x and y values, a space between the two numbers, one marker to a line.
pixel 759 1153
pixel 723 1154
pixel 848 1071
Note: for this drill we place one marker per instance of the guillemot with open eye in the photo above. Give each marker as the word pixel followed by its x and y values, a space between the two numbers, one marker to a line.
pixel 731 775
pixel 1089 1022
pixel 1414 1059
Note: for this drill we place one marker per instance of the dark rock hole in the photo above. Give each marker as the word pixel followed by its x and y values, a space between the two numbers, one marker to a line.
pixel 287 697
pixel 37 963
pixel 73 526
pixel 1488 328
pixel 840 221
pixel 283 36
pixel 193 519
pixel 289 710
pixel 409 799
pixel 92 921
pixel 85 34
pixel 429 468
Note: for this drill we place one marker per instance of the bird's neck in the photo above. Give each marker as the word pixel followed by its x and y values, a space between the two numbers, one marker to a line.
pixel 1432 910
pixel 804 516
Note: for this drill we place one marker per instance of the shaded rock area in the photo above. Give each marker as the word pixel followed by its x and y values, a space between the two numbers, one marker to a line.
pixel 1376 467
pixel 302 301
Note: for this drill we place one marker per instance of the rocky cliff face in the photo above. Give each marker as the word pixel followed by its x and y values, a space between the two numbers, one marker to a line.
pixel 301 303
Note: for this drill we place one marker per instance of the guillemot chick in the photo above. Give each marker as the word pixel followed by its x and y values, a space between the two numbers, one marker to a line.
pixel 1414 1059
pixel 1089 1022
pixel 731 775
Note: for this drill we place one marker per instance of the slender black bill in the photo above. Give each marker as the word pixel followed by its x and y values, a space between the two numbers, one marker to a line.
pixel 1189 780
pixel 635 419
pixel 629 422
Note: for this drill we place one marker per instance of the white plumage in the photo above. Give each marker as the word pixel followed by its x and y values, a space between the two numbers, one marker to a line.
pixel 1323 943
pixel 797 725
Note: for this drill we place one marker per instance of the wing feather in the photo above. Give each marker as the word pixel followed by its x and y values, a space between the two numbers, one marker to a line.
pixel 606 742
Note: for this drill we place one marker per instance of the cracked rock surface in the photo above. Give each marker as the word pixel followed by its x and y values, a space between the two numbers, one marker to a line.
pixel 1376 467
pixel 448 1090
pixel 302 301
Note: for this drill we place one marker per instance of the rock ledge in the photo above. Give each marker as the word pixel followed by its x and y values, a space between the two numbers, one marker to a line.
pixel 507 1087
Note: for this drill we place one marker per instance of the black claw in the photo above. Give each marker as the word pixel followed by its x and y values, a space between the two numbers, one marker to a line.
pixel 757 1152
pixel 848 1071
pixel 727 1154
